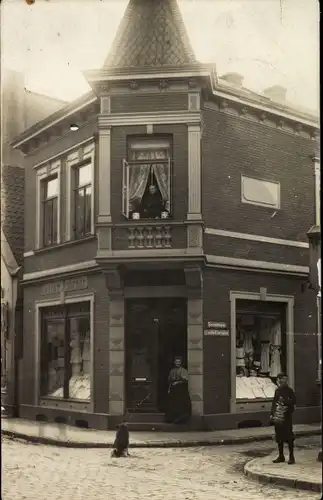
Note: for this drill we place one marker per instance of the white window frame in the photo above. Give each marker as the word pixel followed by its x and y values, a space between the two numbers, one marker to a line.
pixel 75 159
pixel 259 203
pixel 42 174
pixel 143 145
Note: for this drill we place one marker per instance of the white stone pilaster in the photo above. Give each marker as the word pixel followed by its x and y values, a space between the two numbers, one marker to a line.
pixel 104 175
pixel 194 172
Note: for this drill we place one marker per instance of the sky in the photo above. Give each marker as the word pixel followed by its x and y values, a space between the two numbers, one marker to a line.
pixel 268 41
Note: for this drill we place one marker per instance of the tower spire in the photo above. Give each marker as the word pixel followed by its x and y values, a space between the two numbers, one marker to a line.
pixel 151 34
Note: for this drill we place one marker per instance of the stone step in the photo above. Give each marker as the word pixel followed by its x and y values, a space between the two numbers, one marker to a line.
pixel 146 417
pixel 157 427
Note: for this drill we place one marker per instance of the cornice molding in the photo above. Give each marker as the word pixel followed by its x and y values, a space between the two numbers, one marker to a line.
pixel 243 105
pixel 60 127
pixel 251 114
pixel 165 118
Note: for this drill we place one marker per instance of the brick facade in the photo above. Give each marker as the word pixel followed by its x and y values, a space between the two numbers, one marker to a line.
pixel 233 143
pixel 233 146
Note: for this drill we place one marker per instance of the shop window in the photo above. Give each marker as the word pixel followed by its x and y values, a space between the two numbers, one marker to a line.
pixel 65 352
pixel 50 210
pixel 260 192
pixel 260 354
pixel 147 180
pixel 82 200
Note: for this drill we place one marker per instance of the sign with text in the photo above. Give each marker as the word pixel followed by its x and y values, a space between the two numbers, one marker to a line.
pixel 69 285
pixel 217 324
pixel 216 333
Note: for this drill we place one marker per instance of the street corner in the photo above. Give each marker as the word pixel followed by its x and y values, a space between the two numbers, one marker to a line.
pixel 306 474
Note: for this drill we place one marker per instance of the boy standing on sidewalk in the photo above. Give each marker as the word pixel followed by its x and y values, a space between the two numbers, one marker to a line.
pixel 281 416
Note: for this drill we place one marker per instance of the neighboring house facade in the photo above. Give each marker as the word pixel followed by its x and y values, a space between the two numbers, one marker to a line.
pixel 20 109
pixel 210 264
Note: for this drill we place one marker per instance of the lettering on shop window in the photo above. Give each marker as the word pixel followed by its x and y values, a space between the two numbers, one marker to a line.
pixel 69 285
pixel 216 333
pixel 216 324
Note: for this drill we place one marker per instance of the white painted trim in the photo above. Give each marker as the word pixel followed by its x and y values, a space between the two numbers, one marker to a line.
pixel 91 100
pixel 81 266
pixel 253 296
pixel 102 76
pixel 42 174
pixel 259 203
pixel 87 297
pixel 62 153
pixel 268 109
pixel 144 119
pixel 257 264
pixel 317 167
pixel 30 253
pixel 255 237
pixel 148 254
pixel 194 172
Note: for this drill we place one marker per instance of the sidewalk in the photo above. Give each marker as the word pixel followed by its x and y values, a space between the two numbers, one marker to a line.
pixel 73 437
pixel 306 474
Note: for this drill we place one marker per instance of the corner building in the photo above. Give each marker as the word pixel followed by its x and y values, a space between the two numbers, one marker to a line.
pixel 210 264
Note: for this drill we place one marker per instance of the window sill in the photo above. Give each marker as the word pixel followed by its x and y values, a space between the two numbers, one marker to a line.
pixel 64 244
pixel 49 399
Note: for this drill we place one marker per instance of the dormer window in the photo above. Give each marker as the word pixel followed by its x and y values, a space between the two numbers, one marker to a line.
pixel 147 180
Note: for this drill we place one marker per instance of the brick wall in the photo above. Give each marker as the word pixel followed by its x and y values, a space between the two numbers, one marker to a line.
pixel 96 284
pixel 119 137
pixel 233 146
pixel 217 286
pixel 255 250
pixel 12 208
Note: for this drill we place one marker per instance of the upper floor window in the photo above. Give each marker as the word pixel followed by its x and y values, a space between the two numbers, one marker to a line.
pixel 147 180
pixel 260 192
pixel 83 200
pixel 50 210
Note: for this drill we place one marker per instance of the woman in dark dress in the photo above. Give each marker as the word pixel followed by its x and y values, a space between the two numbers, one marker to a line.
pixel 179 403
pixel 281 416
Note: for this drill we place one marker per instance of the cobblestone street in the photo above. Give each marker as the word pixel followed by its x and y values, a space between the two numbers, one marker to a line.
pixel 39 472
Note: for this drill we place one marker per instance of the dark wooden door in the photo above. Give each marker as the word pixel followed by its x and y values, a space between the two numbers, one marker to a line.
pixel 142 355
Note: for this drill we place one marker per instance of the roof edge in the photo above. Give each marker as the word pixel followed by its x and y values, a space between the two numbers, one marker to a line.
pixel 54 118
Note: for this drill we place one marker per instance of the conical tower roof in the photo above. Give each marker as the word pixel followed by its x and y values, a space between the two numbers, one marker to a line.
pixel 151 34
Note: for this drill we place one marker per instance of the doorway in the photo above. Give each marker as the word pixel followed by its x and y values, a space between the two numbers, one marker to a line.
pixel 156 332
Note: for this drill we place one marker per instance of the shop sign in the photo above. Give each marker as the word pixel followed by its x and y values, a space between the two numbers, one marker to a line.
pixel 215 324
pixel 69 285
pixel 216 333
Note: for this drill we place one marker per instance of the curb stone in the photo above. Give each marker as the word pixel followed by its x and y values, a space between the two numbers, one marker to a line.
pixel 150 444
pixel 301 484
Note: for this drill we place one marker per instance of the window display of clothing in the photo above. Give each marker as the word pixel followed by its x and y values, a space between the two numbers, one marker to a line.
pixel 265 357
pixel 75 356
pixel 258 354
pixel 275 365
pixel 86 356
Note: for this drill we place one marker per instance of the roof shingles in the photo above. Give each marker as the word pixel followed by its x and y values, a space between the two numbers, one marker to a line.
pixel 151 34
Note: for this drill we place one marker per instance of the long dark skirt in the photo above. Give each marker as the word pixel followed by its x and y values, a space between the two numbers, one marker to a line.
pixel 284 431
pixel 179 408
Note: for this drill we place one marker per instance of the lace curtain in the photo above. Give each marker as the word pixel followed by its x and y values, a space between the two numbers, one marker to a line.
pixel 139 176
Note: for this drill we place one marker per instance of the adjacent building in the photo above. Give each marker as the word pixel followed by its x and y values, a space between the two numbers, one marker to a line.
pixel 166 213
pixel 20 109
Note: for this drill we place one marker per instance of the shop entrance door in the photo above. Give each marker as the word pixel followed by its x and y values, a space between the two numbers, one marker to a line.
pixel 156 332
